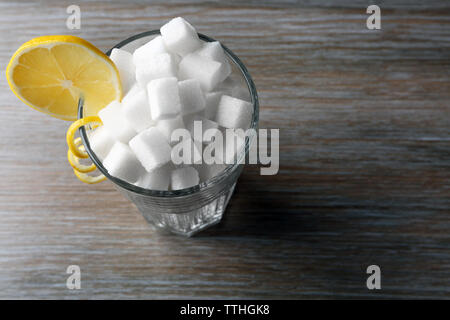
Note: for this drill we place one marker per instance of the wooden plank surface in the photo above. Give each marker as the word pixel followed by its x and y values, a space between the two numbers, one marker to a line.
pixel 365 162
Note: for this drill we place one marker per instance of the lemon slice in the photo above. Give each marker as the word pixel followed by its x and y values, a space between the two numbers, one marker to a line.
pixel 89 179
pixel 50 74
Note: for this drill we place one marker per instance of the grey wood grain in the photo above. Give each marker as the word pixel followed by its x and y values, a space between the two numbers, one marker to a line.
pixel 365 162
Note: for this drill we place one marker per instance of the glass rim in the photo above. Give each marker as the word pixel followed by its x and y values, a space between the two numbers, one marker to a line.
pixel 203 185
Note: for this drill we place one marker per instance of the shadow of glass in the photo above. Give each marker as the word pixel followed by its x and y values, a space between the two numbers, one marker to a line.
pixel 264 206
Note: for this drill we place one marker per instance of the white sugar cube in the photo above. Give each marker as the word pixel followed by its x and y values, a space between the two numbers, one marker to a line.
pixel 234 113
pixel 167 126
pixel 158 179
pixel 115 123
pixel 214 51
pixel 122 163
pixel 153 47
pixel 130 94
pixel 137 110
pixel 191 96
pixel 179 36
pixel 235 86
pixel 184 177
pixel 206 71
pixel 176 58
pixel 101 142
pixel 211 103
pixel 201 126
pixel 151 148
pixel 124 63
pixel 208 171
pixel 164 98
pixel 159 66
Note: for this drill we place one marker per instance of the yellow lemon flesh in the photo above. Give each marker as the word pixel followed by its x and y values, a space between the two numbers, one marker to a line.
pixel 51 73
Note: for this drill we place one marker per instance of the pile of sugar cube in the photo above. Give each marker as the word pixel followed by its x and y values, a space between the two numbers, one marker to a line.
pixel 168 83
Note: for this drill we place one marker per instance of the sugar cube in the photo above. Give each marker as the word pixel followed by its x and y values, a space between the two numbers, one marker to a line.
pixel 179 36
pixel 184 177
pixel 167 126
pixel 159 66
pixel 214 51
pixel 206 71
pixel 122 163
pixel 211 103
pixel 137 111
pixel 234 113
pixel 176 58
pixel 164 98
pixel 153 47
pixel 235 86
pixel 158 179
pixel 124 63
pixel 130 94
pixel 101 142
pixel 199 125
pixel 191 96
pixel 115 123
pixel 151 148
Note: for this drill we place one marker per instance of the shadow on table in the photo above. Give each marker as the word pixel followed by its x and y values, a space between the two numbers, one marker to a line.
pixel 257 209
pixel 290 234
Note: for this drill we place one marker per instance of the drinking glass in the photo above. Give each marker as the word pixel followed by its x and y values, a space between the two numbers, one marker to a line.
pixel 186 211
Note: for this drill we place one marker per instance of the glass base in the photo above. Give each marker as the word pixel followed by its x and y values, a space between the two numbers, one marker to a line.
pixel 191 222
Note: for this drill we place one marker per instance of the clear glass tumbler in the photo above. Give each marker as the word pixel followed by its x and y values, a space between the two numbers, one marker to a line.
pixel 189 210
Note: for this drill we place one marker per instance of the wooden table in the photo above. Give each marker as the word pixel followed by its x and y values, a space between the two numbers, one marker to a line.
pixel 365 162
